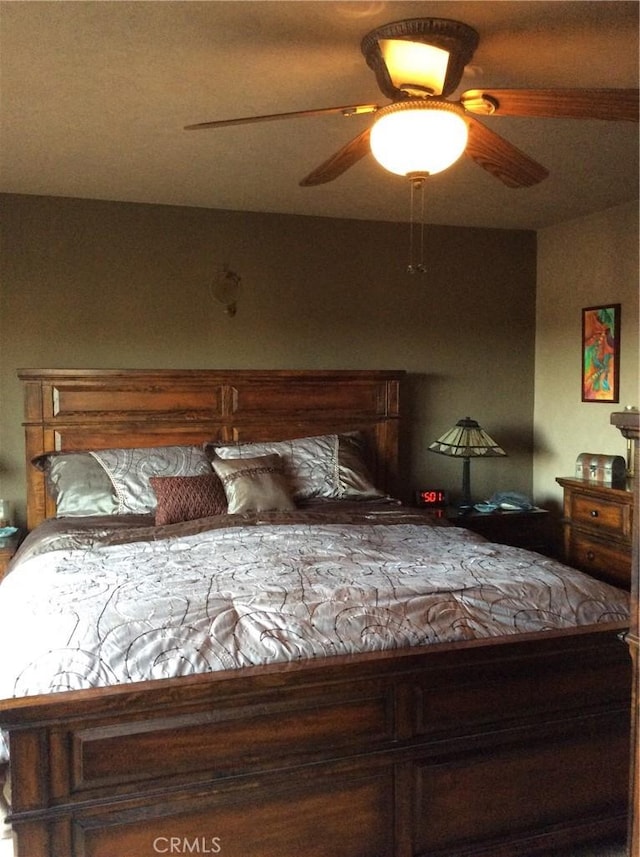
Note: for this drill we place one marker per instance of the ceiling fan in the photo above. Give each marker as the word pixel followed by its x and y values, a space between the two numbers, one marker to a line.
pixel 418 63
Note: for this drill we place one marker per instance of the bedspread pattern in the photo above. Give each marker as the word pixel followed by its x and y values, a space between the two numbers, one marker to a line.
pixel 235 596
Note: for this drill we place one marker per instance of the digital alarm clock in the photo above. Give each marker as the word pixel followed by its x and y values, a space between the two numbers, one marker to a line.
pixel 432 498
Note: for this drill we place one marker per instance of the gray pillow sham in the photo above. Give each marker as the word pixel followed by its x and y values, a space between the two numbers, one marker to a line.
pixel 78 484
pixel 115 481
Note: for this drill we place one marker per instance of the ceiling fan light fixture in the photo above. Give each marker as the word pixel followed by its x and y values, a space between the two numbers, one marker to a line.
pixel 453 38
pixel 414 67
pixel 419 136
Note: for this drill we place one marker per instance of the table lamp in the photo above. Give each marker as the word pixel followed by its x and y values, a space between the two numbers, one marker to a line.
pixel 466 440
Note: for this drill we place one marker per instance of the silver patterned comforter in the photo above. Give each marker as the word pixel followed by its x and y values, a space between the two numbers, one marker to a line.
pixel 129 605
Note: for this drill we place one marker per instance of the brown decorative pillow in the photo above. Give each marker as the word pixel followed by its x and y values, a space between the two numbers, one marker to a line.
pixel 254 484
pixel 184 498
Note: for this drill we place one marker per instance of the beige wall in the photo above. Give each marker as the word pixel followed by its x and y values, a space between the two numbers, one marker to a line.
pixel 99 284
pixel 585 262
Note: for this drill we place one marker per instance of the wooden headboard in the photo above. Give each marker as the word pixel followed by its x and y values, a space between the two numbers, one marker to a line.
pixel 83 409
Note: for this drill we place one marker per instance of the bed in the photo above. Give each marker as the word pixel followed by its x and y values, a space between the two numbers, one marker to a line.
pixel 496 736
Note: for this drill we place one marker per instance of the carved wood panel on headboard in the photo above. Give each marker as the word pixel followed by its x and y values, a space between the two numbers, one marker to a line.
pixel 85 409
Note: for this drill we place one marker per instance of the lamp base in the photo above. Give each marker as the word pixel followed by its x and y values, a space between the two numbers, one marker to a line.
pixel 465 502
pixel 464 509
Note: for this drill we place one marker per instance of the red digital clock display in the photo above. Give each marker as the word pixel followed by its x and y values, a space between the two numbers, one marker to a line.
pixel 434 497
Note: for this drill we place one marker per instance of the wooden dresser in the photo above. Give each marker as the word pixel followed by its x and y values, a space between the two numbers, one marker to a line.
pixel 597 527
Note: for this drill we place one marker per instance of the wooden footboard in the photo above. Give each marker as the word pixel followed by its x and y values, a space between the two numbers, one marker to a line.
pixel 503 747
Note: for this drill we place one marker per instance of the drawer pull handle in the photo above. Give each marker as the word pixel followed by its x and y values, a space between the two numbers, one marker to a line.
pixel 591 556
pixel 594 513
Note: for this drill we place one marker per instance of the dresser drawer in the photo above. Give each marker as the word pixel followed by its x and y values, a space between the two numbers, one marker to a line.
pixel 607 515
pixel 600 558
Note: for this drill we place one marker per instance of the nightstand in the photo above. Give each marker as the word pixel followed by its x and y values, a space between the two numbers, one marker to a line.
pixel 522 528
pixel 8 546
pixel 597 524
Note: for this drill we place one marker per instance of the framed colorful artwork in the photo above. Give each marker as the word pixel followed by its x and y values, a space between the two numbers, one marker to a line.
pixel 601 353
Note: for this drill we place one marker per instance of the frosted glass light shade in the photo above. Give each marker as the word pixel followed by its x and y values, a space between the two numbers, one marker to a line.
pixel 418 136
pixel 415 67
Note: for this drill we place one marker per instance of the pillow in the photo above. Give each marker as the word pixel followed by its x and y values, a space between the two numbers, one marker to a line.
pixel 322 467
pixel 254 484
pixel 310 464
pixel 78 484
pixel 115 481
pixel 130 470
pixel 355 482
pixel 184 498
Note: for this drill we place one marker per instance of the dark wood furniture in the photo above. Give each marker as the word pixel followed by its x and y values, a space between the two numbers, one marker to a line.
pixel 628 422
pixel 8 546
pixel 502 747
pixel 86 409
pixel 523 529
pixel 597 525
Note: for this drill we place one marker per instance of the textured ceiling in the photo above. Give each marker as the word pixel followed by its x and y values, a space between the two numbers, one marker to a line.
pixel 94 97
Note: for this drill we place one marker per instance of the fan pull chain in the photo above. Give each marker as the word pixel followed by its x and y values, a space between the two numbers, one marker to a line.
pixel 417 182
pixel 410 268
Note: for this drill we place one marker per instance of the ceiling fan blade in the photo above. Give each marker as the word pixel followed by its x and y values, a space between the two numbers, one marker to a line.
pixel 611 104
pixel 347 110
pixel 340 162
pixel 500 158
